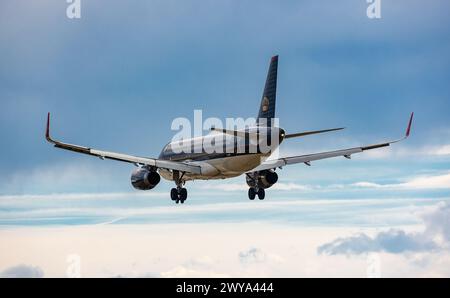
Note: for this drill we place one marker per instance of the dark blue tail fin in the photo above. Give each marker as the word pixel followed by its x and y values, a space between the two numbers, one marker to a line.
pixel 267 107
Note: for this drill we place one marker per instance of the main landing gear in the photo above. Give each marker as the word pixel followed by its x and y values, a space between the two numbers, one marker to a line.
pixel 252 192
pixel 178 194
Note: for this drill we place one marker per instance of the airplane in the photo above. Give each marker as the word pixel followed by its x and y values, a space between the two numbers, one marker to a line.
pixel 243 159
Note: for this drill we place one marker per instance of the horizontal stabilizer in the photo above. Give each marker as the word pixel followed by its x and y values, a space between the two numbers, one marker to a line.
pixel 237 133
pixel 307 133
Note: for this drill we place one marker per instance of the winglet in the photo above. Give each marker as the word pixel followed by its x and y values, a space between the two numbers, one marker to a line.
pixel 47 131
pixel 408 130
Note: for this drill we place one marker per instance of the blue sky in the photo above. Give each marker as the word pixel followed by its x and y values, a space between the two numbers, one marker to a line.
pixel 116 78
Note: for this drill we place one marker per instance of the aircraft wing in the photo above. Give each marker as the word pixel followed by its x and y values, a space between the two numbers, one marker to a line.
pixel 158 163
pixel 306 159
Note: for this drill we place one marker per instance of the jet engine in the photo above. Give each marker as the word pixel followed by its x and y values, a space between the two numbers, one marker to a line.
pixel 263 179
pixel 144 179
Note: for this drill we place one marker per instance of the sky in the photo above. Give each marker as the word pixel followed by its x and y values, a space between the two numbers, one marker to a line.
pixel 116 78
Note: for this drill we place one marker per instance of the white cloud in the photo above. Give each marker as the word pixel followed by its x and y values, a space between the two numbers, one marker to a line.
pixel 202 262
pixel 399 151
pixel 22 271
pixel 396 152
pixel 244 187
pixel 256 255
pixel 252 255
pixel 60 177
pixel 79 196
pixel 437 222
pixel 422 182
pixel 435 236
pixel 440 150
pixel 291 186
pixel 366 184
pixel 184 272
pixel 392 241
pixel 428 182
pixel 226 187
pixel 198 250
pixel 139 208
pixel 201 266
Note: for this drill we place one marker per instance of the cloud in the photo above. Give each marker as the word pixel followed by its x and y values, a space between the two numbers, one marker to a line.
pixel 22 271
pixel 291 186
pixel 148 207
pixel 134 275
pixel 437 222
pixel 244 187
pixel 226 187
pixel 428 182
pixel 79 196
pixel 255 255
pixel 202 266
pixel 183 271
pixel 440 150
pixel 392 241
pixel 436 236
pixel 203 262
pixel 83 197
pixel 422 182
pixel 60 177
pixel 268 250
pixel 437 151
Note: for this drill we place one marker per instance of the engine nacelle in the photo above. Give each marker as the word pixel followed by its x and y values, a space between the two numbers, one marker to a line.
pixel 264 179
pixel 144 179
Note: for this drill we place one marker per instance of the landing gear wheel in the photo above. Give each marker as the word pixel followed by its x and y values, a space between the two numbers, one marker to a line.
pixel 183 195
pixel 174 194
pixel 251 193
pixel 261 194
pixel 179 195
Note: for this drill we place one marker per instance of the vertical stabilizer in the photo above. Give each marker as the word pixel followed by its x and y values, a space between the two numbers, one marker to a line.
pixel 267 106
